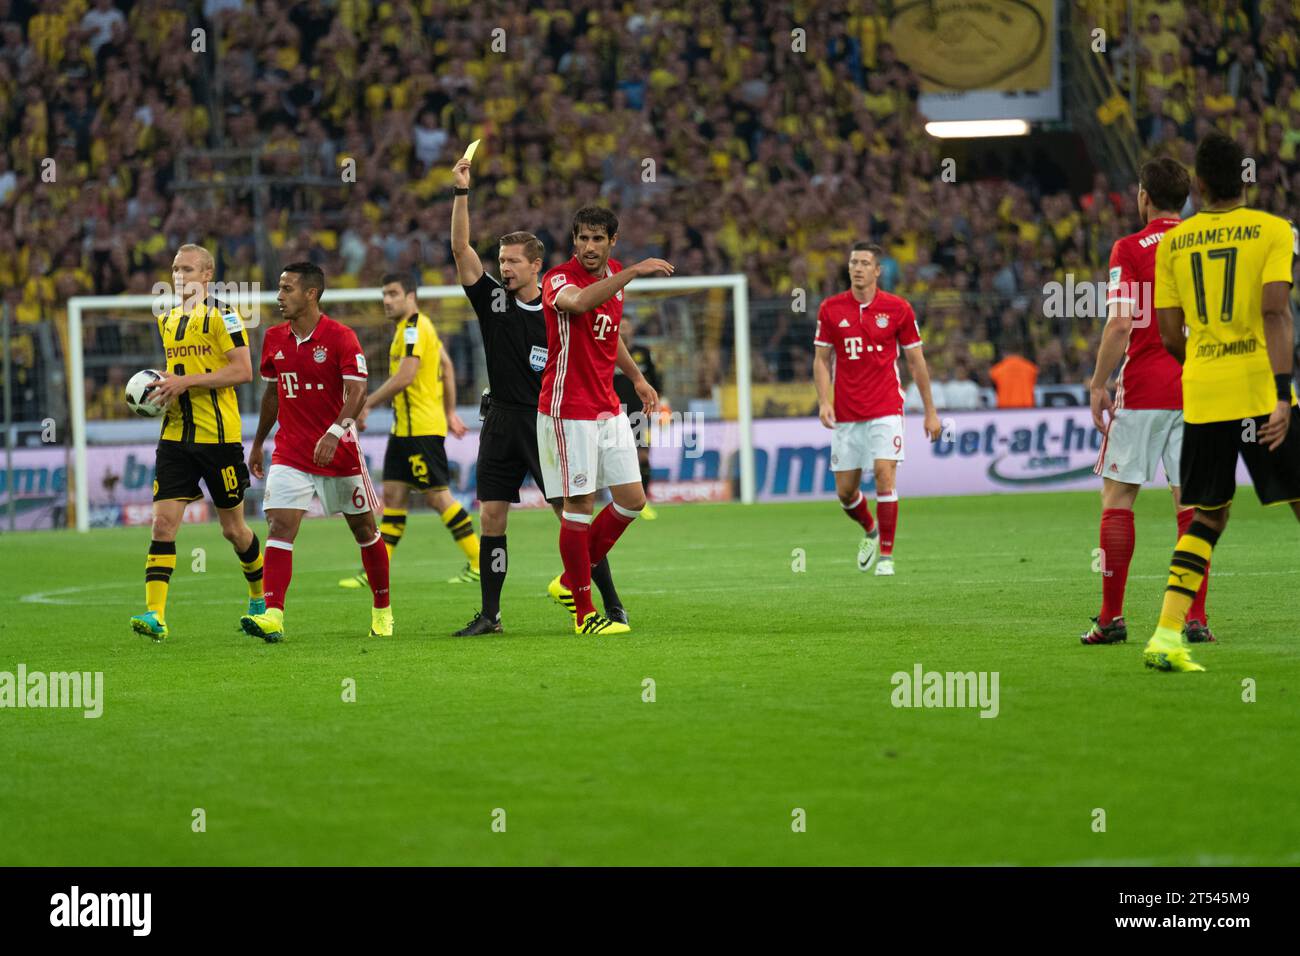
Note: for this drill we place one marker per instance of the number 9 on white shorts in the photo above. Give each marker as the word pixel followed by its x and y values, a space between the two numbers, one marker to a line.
pixel 288 487
pixel 857 445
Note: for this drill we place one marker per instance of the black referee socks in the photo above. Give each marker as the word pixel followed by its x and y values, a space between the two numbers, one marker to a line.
pixel 492 572
pixel 603 578
pixel 492 576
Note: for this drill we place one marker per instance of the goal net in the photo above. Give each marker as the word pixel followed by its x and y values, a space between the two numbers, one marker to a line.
pixel 696 329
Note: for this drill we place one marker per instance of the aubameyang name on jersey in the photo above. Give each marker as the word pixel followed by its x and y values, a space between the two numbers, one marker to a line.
pixel 1200 237
pixel 186 351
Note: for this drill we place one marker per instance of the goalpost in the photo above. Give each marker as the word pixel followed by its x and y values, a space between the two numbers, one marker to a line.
pixel 675 314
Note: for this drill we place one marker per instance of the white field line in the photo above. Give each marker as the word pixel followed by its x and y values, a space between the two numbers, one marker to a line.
pixel 55 596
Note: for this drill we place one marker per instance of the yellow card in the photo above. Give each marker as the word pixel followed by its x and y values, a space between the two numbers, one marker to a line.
pixel 469 152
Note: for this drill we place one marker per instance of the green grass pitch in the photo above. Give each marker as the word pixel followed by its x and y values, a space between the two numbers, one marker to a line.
pixel 772 692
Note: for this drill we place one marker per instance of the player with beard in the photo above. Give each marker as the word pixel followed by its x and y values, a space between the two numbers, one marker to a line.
pixel 515 346
pixel 583 434
pixel 316 376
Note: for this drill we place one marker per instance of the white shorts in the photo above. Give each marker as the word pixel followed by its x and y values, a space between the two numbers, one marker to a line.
pixel 1137 440
pixel 856 445
pixel 288 487
pixel 580 456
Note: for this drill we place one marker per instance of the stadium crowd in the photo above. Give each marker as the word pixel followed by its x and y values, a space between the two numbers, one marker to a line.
pixel 723 145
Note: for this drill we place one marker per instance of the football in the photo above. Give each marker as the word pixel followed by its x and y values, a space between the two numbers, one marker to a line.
pixel 137 396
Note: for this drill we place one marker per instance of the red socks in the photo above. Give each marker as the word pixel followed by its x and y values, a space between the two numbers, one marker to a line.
pixel 575 552
pixel 374 558
pixel 1116 554
pixel 860 513
pixel 1197 611
pixel 277 570
pixel 584 542
pixel 606 529
pixel 887 512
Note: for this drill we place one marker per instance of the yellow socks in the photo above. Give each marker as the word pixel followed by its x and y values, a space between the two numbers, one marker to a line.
pixel 1187 569
pixel 250 559
pixel 158 568
pixel 391 528
pixel 461 527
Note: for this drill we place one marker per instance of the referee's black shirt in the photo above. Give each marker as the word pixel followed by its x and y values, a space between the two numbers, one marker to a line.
pixel 514 342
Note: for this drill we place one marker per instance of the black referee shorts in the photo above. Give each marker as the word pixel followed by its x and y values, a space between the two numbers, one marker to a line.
pixel 507 453
pixel 180 466
pixel 417 460
pixel 1209 465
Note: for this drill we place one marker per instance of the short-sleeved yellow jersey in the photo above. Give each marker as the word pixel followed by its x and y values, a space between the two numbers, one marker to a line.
pixel 197 342
pixel 1213 266
pixel 417 409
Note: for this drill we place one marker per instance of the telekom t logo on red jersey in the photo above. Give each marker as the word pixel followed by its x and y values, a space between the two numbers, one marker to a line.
pixel 290 382
pixel 602 325
pixel 853 346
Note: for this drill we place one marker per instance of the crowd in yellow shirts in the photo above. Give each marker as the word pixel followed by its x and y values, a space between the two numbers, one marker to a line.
pixel 724 144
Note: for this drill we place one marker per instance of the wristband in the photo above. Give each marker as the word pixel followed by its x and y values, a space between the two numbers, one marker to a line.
pixel 336 430
pixel 1283 383
pixel 460 191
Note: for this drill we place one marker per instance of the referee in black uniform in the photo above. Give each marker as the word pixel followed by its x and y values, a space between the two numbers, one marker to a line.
pixel 514 342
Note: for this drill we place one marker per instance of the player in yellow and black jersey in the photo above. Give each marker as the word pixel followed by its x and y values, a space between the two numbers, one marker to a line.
pixel 1225 274
pixel 422 386
pixel 207 356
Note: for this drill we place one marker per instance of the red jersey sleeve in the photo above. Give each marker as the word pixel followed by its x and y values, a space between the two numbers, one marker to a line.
pixel 823 334
pixel 1122 280
pixel 267 368
pixel 352 360
pixel 555 280
pixel 909 336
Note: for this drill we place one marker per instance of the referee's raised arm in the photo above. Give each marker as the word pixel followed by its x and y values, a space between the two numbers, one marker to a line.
pixel 469 268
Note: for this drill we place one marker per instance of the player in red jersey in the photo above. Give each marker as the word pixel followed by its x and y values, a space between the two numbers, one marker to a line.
pixel 583 435
pixel 1145 424
pixel 316 373
pixel 860 334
